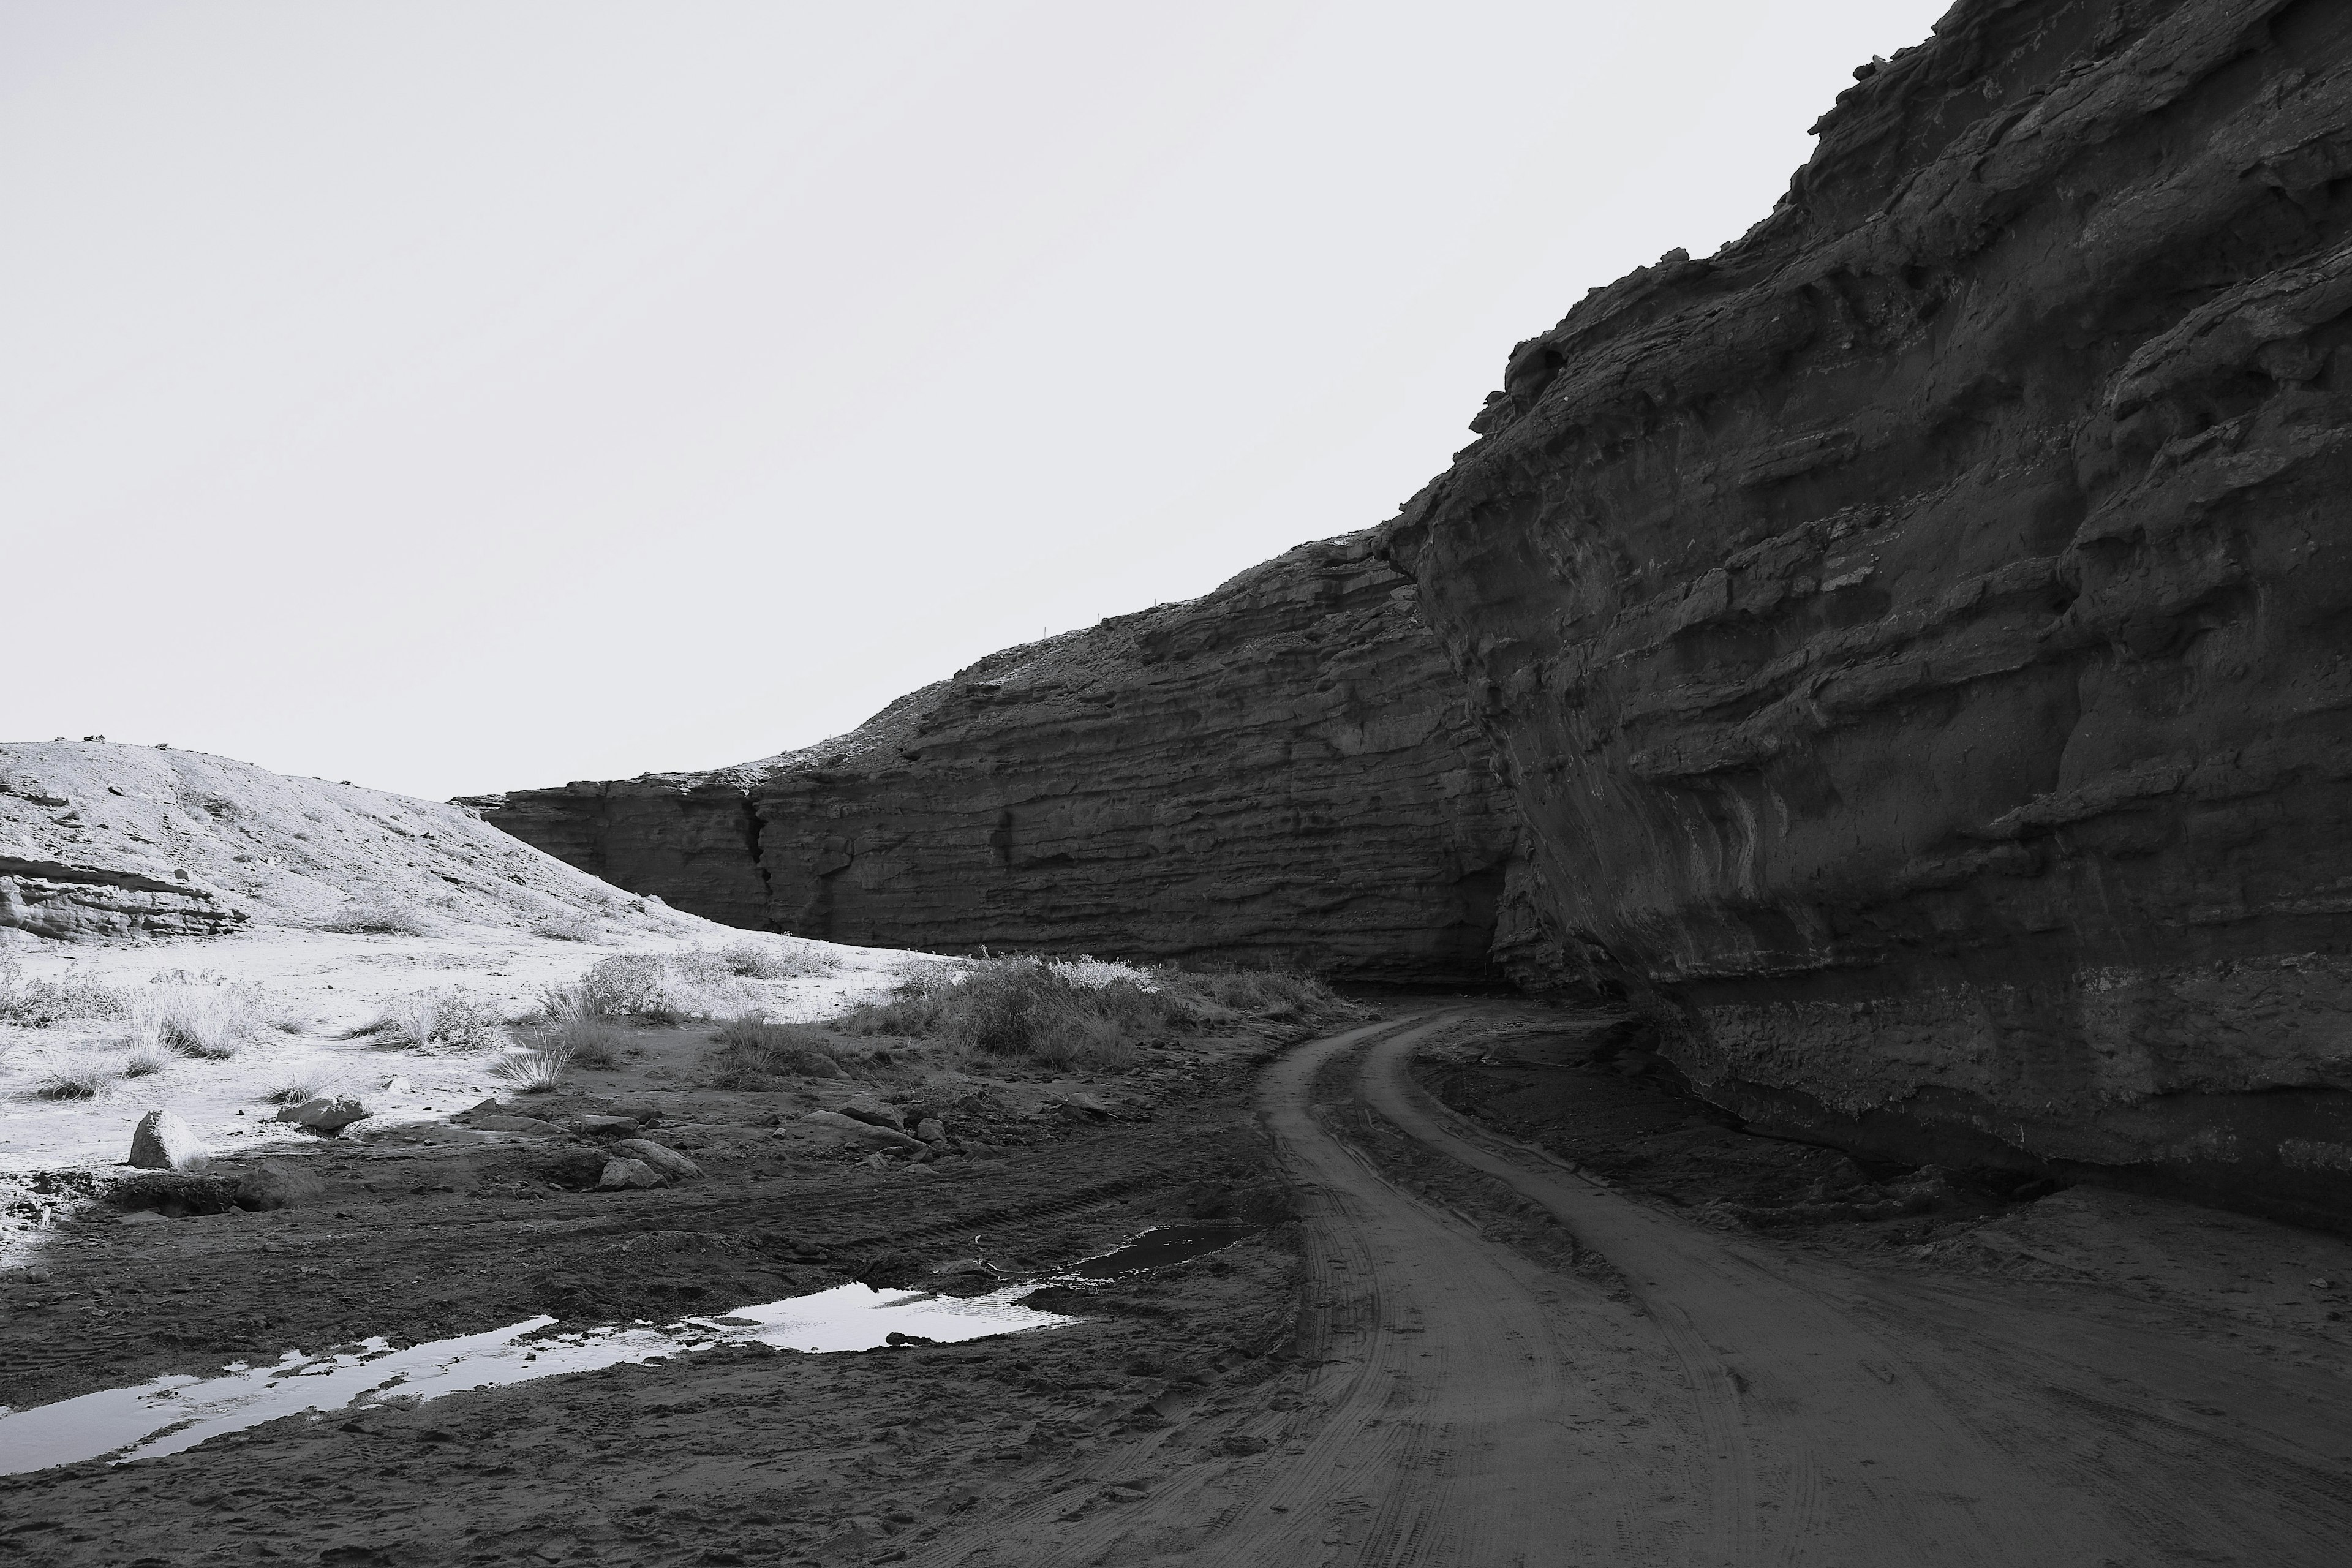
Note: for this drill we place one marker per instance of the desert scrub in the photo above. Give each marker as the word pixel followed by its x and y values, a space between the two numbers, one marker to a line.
pixel 776 960
pixel 85 1075
pixel 303 1083
pixel 752 1053
pixel 377 915
pixel 1062 1014
pixel 142 1058
pixel 447 1017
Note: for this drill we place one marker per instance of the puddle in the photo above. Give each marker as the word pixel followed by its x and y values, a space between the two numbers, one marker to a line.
pixel 1159 1249
pixel 176 1412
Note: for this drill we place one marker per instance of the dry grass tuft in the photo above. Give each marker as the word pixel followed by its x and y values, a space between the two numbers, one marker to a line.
pixel 85 1075
pixel 538 1067
pixel 144 1058
pixel 196 1019
pixel 43 1004
pixel 305 1083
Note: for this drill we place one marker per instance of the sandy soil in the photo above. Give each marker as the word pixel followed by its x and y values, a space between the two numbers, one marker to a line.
pixel 1463 1351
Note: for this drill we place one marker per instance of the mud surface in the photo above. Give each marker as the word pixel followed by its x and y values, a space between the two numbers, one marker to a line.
pixel 1703 1349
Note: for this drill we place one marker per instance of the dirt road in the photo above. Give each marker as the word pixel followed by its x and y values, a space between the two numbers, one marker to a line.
pixel 1730 1403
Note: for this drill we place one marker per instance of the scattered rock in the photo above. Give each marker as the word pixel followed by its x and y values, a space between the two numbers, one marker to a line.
pixel 669 1161
pixel 327 1114
pixel 164 1143
pixel 621 1173
pixel 931 1131
pixel 277 1185
pixel 397 1086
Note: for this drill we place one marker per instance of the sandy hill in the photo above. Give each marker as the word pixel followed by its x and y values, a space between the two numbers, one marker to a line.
pixel 105 840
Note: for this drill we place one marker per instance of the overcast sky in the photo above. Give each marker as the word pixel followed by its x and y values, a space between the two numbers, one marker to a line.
pixel 458 396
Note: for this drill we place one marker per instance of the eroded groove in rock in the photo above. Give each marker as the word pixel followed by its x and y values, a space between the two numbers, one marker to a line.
pixel 1918 634
pixel 1282 770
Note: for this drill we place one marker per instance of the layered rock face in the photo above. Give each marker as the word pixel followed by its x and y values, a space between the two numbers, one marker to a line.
pixel 1920 635
pixel 1281 770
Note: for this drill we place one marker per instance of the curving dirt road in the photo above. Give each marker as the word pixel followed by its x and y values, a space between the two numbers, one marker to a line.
pixel 1731 1402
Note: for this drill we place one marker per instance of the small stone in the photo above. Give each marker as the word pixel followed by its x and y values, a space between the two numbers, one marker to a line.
pixel 931 1131
pixel 277 1185
pixel 621 1173
pixel 875 1162
pixel 668 1161
pixel 163 1141
pixel 396 1085
pixel 868 1109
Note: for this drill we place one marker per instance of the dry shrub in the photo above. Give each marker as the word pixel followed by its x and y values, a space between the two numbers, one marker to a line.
pixel 571 925
pixel 776 960
pixel 447 1017
pixel 667 988
pixel 76 999
pixel 378 914
pixel 750 1053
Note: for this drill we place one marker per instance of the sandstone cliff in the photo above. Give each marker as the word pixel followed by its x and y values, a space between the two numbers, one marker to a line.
pixel 1920 635
pixel 1283 770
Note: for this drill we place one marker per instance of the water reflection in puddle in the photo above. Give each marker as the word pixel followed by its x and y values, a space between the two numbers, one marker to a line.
pixel 1159 1249
pixel 173 1414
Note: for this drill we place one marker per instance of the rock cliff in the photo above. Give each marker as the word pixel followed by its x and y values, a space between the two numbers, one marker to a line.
pixel 1282 770
pixel 1919 636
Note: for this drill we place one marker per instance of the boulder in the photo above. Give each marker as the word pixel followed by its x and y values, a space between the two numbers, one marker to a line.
pixel 162 1141
pixel 623 1173
pixel 514 1124
pixel 867 1108
pixel 931 1131
pixel 603 1126
pixel 865 1131
pixel 669 1161
pixel 327 1114
pixel 278 1185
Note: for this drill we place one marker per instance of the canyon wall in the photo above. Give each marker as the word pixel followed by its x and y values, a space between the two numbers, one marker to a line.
pixel 1283 770
pixel 1919 636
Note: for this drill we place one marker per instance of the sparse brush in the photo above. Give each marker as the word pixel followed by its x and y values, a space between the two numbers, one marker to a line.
pixel 776 961
pixel 85 1075
pixel 569 925
pixel 538 1067
pixel 377 915
pixel 591 1041
pixel 751 1052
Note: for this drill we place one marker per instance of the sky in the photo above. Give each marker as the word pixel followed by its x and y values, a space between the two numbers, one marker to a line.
pixel 462 397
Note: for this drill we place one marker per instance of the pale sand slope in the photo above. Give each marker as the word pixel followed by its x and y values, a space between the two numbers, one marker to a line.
pixel 290 855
